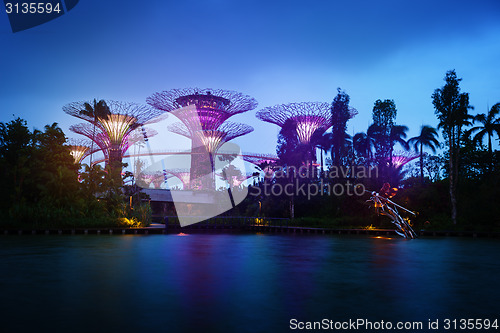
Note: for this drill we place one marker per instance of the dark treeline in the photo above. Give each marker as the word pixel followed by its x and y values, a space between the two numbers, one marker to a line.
pixel 455 190
pixel 42 185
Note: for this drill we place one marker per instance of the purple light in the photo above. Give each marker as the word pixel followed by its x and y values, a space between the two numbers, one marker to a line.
pixel 400 158
pixel 309 117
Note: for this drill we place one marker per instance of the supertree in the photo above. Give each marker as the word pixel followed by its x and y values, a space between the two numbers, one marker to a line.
pixel 211 140
pixel 308 117
pixel 298 122
pixel 203 113
pixel 400 158
pixel 211 106
pixel 182 174
pixel 79 149
pixel 112 130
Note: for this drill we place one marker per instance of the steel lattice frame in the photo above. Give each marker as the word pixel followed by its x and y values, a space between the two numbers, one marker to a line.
pixel 212 140
pixel 212 106
pixel 184 175
pixel 308 117
pixel 103 141
pixel 400 158
pixel 112 133
pixel 79 149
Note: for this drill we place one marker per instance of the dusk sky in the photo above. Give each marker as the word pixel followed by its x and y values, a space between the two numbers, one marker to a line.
pixel 275 51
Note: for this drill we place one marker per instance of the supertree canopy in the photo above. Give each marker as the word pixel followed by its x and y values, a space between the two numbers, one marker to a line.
pixel 205 144
pixel 308 117
pixel 79 149
pixel 400 158
pixel 112 148
pixel 182 174
pixel 211 106
pixel 212 140
pixel 203 113
pixel 111 127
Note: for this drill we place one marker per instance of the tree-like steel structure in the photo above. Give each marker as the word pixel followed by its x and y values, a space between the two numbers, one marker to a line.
pixel 309 117
pixel 211 106
pixel 79 149
pixel 113 132
pixel 211 140
pixel 203 113
pixel 400 158
pixel 182 174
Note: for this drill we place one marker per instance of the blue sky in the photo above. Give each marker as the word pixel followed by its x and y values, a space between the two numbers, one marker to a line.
pixel 274 51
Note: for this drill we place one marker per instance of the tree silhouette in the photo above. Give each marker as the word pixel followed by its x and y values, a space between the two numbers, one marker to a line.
pixel 363 145
pixel 383 114
pixel 427 138
pixel 397 134
pixel 98 110
pixel 452 110
pixel 322 141
pixel 489 126
pixel 340 115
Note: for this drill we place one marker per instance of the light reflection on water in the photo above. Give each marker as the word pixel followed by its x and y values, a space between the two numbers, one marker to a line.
pixel 239 283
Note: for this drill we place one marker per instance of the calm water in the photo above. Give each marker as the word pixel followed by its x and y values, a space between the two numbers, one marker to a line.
pixel 239 283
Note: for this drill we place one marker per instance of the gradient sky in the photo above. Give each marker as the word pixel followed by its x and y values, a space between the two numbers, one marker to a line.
pixel 274 51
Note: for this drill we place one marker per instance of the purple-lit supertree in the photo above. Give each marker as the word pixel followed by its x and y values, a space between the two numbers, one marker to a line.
pixel 182 174
pixel 400 158
pixel 203 113
pixel 112 131
pixel 211 139
pixel 301 120
pixel 309 117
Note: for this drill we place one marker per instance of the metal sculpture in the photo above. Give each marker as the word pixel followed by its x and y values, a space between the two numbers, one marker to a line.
pixel 384 206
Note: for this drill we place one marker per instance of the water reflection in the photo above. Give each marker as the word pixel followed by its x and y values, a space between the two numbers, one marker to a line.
pixel 244 283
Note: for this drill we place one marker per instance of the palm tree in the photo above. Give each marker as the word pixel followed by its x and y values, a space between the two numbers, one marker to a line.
pixel 99 110
pixel 364 143
pixel 323 142
pixel 397 135
pixel 427 138
pixel 489 125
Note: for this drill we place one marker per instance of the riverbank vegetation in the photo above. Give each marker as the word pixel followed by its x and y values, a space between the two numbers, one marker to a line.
pixel 42 185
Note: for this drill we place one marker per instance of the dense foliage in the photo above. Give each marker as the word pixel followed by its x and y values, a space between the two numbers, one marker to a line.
pixel 454 190
pixel 42 186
